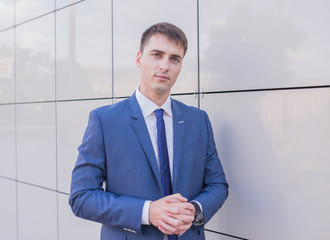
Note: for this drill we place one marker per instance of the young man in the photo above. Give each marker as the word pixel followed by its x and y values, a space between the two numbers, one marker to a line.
pixel 157 156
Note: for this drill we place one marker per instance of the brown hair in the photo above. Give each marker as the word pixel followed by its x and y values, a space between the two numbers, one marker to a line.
pixel 169 30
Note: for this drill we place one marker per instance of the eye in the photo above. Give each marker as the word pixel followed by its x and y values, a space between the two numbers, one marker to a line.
pixel 176 60
pixel 157 55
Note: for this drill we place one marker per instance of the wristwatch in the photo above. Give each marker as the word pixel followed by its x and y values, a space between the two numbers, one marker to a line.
pixel 199 216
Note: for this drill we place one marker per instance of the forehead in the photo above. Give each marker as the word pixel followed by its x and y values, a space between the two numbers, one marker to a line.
pixel 163 43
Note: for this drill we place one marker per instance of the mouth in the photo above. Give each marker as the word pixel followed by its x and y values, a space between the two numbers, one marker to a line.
pixel 162 77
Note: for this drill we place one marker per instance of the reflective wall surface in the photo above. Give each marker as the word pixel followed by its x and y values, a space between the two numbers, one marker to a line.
pixel 259 68
pixel 263 44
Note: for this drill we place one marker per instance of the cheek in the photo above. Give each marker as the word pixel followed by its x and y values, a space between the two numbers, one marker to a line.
pixel 146 70
pixel 150 67
pixel 177 71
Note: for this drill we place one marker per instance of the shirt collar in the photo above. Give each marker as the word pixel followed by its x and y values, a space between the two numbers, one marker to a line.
pixel 148 107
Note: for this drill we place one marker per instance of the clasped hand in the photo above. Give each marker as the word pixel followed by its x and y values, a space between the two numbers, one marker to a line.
pixel 172 214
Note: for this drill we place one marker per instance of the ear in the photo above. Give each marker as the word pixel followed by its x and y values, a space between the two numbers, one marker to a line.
pixel 138 59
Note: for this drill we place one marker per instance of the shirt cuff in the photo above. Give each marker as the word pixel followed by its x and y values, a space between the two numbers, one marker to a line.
pixel 145 213
pixel 200 205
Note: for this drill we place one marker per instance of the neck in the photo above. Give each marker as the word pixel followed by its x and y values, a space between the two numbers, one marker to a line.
pixel 158 99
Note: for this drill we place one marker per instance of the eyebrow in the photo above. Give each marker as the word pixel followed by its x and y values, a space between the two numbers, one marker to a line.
pixel 162 52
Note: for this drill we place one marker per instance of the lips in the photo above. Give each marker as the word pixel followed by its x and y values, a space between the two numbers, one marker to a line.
pixel 162 77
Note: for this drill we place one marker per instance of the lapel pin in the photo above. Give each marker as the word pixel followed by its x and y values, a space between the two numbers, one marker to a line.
pixel 181 121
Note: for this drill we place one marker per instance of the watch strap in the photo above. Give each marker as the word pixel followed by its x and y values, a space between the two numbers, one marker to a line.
pixel 199 216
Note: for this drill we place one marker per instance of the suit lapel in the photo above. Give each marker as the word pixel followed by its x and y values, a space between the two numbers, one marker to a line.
pixel 178 140
pixel 141 131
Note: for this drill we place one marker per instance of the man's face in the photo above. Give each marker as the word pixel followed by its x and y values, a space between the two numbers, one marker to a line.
pixel 160 64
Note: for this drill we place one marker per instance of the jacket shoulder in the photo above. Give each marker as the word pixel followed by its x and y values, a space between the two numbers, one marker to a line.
pixel 111 109
pixel 186 109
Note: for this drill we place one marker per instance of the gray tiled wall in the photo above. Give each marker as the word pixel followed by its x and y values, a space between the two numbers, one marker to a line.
pixel 259 68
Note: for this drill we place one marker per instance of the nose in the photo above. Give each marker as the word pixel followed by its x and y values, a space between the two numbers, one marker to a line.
pixel 164 64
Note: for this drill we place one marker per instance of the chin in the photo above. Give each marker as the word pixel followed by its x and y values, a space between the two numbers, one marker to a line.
pixel 161 89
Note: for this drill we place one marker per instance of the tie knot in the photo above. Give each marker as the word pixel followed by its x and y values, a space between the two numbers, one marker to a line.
pixel 159 113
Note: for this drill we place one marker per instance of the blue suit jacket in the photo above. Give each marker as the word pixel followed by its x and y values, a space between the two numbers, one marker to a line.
pixel 117 150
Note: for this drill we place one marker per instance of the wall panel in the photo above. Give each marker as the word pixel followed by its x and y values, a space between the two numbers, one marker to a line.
pixel 275 148
pixel 37 213
pixel 26 10
pixel 36 144
pixel 6 14
pixel 257 44
pixel 83 51
pixel 65 3
pixel 35 60
pixel 8 209
pixel 7 80
pixel 7 141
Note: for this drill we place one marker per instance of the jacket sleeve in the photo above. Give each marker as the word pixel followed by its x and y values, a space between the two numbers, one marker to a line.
pixel 215 187
pixel 87 199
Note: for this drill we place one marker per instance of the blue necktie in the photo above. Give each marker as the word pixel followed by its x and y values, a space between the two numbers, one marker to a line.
pixel 163 154
pixel 163 158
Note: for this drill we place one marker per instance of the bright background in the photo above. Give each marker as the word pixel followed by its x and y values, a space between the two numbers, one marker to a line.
pixel 261 69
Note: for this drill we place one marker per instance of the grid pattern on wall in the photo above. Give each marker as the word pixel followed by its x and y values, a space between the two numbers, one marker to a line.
pixel 258 69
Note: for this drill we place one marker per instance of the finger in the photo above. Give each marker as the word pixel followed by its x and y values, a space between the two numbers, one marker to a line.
pixel 189 206
pixel 163 230
pixel 178 222
pixel 179 208
pixel 186 219
pixel 174 226
pixel 172 200
pixel 183 205
pixel 167 228
pixel 170 233
pixel 177 197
